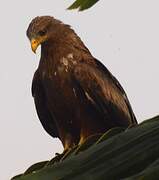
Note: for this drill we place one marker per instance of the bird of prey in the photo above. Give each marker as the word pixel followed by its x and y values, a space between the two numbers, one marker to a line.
pixel 75 94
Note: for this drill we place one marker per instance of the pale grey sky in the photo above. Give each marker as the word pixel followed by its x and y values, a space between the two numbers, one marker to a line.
pixel 123 34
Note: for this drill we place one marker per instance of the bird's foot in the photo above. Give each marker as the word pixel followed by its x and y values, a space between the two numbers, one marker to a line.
pixel 85 143
pixel 67 152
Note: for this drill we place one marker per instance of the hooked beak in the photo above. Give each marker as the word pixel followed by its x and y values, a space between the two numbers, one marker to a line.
pixel 36 41
pixel 34 44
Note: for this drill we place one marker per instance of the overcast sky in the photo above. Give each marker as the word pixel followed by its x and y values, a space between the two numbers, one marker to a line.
pixel 123 34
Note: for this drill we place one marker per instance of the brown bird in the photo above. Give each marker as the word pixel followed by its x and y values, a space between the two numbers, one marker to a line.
pixel 75 94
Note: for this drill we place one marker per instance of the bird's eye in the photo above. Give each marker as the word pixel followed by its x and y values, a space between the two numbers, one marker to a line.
pixel 42 33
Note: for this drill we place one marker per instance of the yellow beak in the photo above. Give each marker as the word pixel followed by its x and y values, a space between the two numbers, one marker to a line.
pixel 34 44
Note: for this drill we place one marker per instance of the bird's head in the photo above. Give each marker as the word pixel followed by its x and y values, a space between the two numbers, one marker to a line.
pixel 41 29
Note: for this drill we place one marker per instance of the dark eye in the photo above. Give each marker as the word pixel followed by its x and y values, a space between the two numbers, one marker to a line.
pixel 42 33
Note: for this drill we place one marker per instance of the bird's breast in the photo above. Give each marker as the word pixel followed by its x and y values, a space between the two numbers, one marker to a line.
pixel 59 87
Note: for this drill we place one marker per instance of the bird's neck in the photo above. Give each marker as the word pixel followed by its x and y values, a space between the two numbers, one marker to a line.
pixel 55 49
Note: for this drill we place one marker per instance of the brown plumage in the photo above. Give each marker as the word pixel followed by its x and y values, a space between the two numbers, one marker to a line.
pixel 75 95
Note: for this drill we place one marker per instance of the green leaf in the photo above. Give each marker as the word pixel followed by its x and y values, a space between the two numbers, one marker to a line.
pixel 87 4
pixel 17 177
pixel 110 133
pixel 156 118
pixel 35 167
pixel 128 154
pixel 82 4
pixel 76 4
pixel 151 172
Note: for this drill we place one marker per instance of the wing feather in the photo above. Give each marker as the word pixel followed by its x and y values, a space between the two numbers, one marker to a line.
pixel 44 115
pixel 119 87
pixel 105 92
